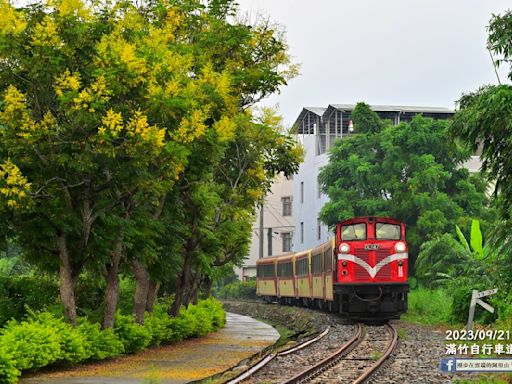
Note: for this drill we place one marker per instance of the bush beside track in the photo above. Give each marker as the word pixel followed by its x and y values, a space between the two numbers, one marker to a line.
pixel 46 340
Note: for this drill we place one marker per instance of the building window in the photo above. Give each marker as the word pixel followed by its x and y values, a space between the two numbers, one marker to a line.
pixel 318 188
pixel 302 233
pixel 287 205
pixel 302 192
pixel 318 229
pixel 287 241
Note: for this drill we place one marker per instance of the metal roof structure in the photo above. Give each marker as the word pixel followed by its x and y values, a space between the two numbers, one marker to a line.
pixel 395 108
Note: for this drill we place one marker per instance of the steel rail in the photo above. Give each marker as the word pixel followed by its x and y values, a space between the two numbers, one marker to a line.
pixel 255 368
pixel 378 364
pixel 329 360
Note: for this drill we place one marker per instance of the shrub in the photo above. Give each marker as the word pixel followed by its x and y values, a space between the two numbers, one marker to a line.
pixel 45 339
pixel 216 311
pixel 135 337
pixel 71 341
pixel 18 292
pixel 158 325
pixel 203 324
pixel 32 345
pixel 8 372
pixel 99 344
pixel 238 290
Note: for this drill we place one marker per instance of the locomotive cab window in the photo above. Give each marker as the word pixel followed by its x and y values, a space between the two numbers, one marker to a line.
pixel 386 231
pixel 353 232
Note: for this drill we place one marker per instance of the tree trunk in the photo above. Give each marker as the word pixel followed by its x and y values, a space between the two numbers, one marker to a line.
pixel 67 292
pixel 207 286
pixel 182 284
pixel 141 291
pixel 112 289
pixel 193 295
pixel 152 295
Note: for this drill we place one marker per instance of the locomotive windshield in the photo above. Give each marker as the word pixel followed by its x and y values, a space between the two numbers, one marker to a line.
pixel 387 231
pixel 353 232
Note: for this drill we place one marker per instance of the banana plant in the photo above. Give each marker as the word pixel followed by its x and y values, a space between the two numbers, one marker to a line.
pixel 475 247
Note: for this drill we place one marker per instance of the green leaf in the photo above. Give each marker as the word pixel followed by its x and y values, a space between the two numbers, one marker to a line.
pixel 462 239
pixel 476 239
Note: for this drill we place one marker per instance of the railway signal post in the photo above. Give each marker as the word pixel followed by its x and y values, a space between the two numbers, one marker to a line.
pixel 475 299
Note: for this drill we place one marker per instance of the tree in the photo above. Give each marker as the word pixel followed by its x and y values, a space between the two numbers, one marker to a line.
pixel 484 120
pixel 410 172
pixel 99 110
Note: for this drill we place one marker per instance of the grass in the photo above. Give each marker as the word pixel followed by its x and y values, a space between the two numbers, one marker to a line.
pixel 376 355
pixel 402 333
pixel 429 307
pixel 488 379
pixel 285 334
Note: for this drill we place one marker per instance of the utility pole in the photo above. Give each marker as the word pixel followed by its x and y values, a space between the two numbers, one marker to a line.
pixel 261 231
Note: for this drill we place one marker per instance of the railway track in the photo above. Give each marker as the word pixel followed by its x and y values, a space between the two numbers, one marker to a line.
pixel 326 361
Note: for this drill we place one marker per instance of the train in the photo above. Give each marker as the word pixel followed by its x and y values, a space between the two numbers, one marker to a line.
pixel 361 273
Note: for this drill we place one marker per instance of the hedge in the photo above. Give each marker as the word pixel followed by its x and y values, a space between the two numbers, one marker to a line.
pixel 44 339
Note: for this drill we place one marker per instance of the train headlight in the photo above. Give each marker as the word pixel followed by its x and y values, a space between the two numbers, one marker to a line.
pixel 344 263
pixel 344 248
pixel 400 247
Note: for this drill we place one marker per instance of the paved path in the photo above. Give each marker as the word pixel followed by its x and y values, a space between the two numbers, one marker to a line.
pixel 174 364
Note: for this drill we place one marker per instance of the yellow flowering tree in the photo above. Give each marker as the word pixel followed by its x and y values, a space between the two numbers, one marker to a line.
pixel 116 122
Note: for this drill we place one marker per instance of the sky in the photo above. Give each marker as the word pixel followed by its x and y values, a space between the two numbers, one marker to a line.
pixel 394 52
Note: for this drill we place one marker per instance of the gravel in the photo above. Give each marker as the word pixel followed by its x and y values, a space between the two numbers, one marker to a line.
pixel 416 360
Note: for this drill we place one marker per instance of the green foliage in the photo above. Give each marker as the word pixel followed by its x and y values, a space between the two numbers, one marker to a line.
pixel 238 290
pixel 100 344
pixel 365 120
pixel 44 339
pixel 217 313
pixel 460 290
pixel 429 307
pixel 19 292
pixel 31 344
pixel 439 261
pixel 483 120
pixel 410 172
pixel 8 372
pixel 476 239
pixel 135 337
pixel 72 342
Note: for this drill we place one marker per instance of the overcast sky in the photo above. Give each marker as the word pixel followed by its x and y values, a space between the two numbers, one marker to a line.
pixel 395 52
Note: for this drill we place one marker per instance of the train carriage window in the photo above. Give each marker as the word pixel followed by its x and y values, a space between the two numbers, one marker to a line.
pixel 285 269
pixel 266 271
pixel 316 263
pixel 353 232
pixel 301 267
pixel 386 231
pixel 328 260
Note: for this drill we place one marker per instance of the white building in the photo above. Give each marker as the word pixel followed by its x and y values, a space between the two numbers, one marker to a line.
pixel 276 229
pixel 317 129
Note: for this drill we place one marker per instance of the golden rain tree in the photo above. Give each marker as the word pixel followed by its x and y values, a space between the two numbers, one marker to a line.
pixel 115 121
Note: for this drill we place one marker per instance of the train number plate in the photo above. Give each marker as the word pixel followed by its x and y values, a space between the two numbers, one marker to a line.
pixel 371 247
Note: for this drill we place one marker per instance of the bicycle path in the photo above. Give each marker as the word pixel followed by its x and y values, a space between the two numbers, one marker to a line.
pixel 173 364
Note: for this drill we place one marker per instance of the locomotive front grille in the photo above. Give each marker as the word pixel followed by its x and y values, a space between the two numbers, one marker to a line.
pixel 376 256
pixel 385 271
pixel 359 272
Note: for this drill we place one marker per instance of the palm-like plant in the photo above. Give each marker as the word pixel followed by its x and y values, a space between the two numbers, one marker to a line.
pixel 442 259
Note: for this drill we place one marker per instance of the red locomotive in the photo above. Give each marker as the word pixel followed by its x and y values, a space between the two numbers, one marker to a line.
pixel 361 273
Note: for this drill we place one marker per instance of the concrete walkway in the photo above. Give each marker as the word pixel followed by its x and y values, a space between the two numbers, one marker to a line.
pixel 175 364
